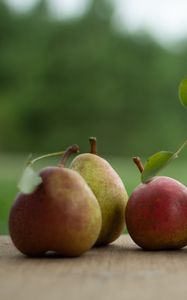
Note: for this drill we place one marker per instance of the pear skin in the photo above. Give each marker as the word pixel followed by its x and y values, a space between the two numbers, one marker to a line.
pixel 109 191
pixel 61 215
pixel 156 214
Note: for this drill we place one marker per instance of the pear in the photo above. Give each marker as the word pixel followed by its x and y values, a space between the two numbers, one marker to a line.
pixel 108 189
pixel 61 215
pixel 156 213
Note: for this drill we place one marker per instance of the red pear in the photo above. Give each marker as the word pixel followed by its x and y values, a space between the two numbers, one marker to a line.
pixel 156 214
pixel 61 215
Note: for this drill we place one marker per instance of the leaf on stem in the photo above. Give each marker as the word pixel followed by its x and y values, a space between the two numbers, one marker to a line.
pixel 183 92
pixel 155 163
pixel 29 180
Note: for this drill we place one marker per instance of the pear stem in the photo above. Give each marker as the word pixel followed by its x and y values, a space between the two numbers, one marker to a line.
pixel 31 162
pixel 138 163
pixel 93 145
pixel 70 150
pixel 181 148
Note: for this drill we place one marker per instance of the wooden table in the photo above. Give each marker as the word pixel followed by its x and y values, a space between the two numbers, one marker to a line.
pixel 119 271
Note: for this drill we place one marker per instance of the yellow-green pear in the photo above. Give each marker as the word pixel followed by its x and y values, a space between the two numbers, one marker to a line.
pixel 108 189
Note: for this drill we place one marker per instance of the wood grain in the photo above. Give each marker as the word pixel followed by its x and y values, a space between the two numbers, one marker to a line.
pixel 119 271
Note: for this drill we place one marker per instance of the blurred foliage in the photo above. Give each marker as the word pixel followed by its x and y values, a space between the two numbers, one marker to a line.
pixel 64 80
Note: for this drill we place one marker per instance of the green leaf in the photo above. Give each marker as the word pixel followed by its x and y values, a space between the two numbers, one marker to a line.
pixel 156 162
pixel 29 180
pixel 183 92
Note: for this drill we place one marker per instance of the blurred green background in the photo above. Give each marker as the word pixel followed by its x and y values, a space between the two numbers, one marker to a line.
pixel 63 80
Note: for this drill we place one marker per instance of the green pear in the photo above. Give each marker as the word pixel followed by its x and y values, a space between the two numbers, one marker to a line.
pixel 108 189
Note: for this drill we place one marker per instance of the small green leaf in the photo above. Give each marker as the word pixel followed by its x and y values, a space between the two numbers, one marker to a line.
pixel 183 92
pixel 29 180
pixel 155 163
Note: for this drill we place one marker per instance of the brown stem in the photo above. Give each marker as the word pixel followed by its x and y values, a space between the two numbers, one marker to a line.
pixel 70 150
pixel 93 145
pixel 138 163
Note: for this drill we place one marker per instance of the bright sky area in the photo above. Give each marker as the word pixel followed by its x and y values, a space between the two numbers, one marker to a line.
pixel 165 19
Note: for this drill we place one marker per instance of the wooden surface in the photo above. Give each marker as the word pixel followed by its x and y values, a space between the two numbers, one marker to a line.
pixel 119 271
